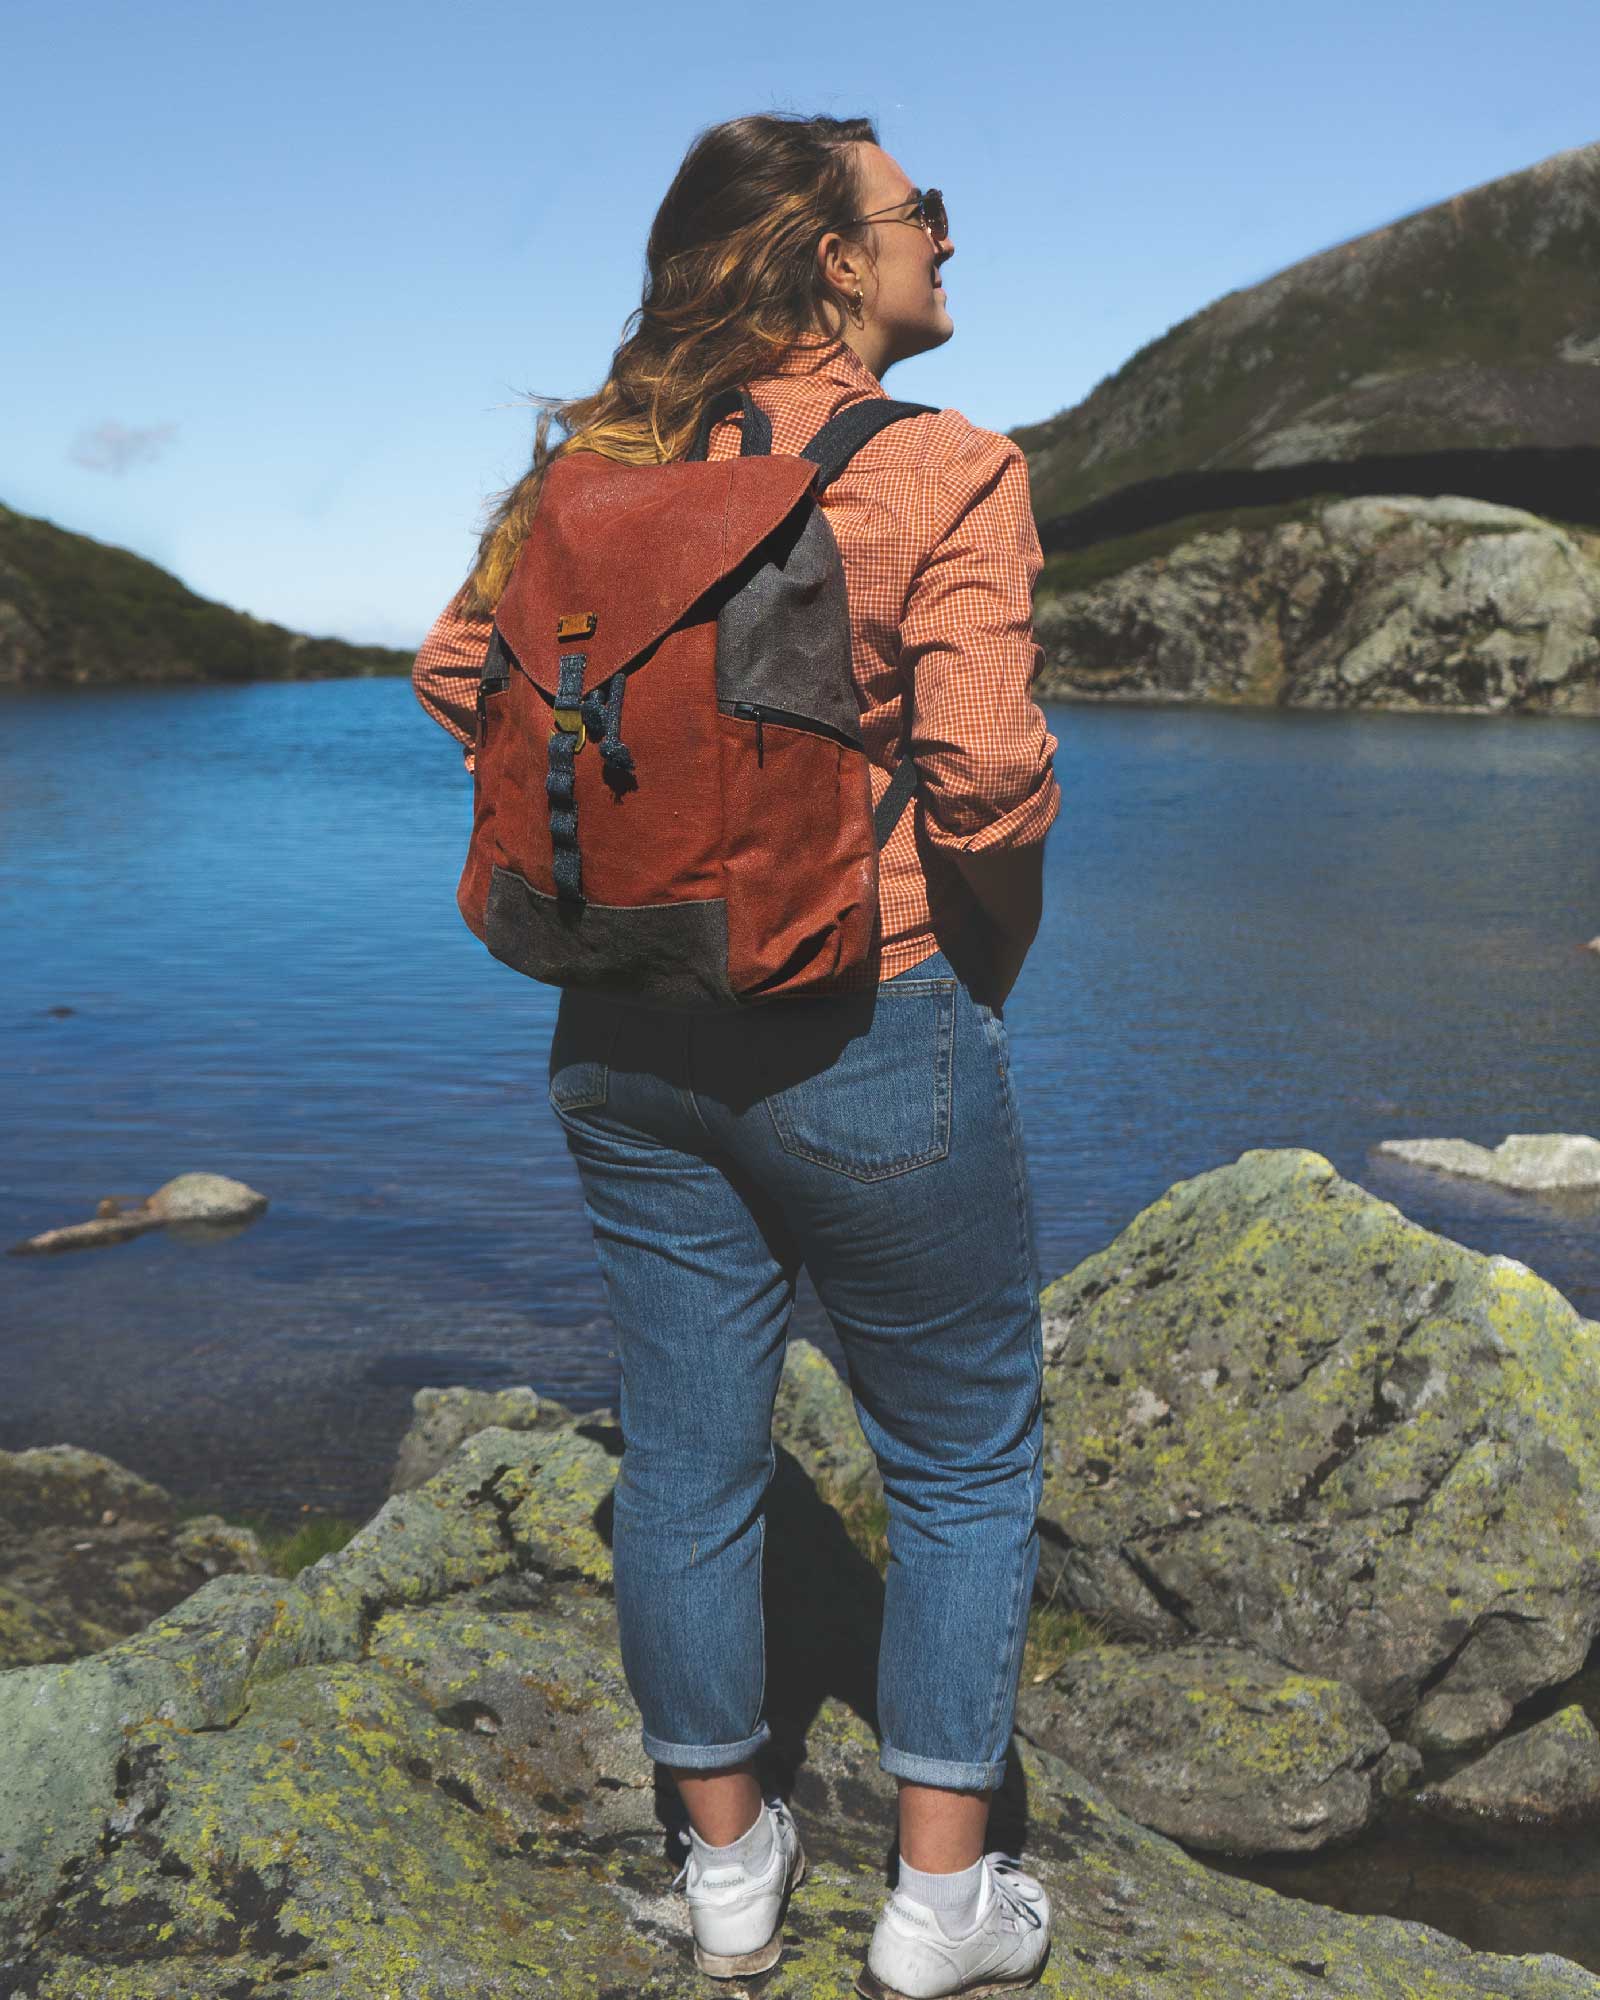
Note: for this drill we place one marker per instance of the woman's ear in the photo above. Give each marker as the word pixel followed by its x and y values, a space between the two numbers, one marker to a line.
pixel 844 265
pixel 841 263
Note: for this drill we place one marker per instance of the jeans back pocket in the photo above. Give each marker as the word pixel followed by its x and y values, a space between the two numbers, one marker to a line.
pixel 879 1104
pixel 580 1053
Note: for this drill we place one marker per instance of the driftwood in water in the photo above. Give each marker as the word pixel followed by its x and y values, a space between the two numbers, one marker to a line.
pixel 205 1200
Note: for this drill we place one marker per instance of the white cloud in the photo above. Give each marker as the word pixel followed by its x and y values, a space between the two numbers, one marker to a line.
pixel 118 448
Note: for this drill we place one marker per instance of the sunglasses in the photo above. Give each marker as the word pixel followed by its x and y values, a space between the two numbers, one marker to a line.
pixel 930 214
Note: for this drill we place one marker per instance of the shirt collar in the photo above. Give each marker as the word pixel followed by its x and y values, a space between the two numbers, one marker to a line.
pixel 827 361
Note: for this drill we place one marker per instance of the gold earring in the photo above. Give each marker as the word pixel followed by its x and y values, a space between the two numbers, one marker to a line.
pixel 857 308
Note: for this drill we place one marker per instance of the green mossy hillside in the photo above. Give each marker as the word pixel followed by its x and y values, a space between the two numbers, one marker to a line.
pixel 1467 325
pixel 73 610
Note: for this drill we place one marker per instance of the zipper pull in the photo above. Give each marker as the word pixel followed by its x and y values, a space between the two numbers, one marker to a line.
pixel 749 710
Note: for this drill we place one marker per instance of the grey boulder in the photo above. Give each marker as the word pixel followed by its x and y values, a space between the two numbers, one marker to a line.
pixel 90 1553
pixel 1546 1776
pixel 212 1198
pixel 1218 1747
pixel 1281 1414
pixel 1455 1722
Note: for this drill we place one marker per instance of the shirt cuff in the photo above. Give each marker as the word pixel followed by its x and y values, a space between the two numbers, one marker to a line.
pixel 1028 821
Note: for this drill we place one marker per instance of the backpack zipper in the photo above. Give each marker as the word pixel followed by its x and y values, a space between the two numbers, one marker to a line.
pixel 760 712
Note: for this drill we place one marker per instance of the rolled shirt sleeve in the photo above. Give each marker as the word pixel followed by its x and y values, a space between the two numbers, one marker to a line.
pixel 984 753
pixel 447 670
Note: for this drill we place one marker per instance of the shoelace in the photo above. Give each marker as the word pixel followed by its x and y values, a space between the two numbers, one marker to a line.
pixel 1016 1904
pixel 781 1817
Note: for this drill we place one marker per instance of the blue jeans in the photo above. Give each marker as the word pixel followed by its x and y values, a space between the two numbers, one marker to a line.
pixel 875 1139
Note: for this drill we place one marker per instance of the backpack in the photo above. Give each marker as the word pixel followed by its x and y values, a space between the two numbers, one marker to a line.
pixel 671 801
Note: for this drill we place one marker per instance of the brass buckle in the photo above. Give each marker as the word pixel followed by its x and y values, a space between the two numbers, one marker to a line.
pixel 569 722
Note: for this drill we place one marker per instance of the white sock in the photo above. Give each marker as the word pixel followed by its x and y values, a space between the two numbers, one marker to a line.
pixel 751 1851
pixel 952 1898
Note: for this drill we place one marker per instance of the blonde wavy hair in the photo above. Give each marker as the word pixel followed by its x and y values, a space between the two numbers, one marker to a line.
pixel 732 283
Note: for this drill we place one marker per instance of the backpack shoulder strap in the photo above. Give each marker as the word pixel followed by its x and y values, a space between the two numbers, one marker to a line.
pixel 755 425
pixel 833 447
pixel 842 436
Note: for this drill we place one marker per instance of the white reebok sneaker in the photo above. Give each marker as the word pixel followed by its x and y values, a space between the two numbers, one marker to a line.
pixel 911 1958
pixel 736 1917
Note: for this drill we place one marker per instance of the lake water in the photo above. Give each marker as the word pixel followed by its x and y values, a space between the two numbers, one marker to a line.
pixel 1263 929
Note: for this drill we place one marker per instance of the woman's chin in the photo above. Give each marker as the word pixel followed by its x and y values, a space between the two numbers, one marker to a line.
pixel 922 339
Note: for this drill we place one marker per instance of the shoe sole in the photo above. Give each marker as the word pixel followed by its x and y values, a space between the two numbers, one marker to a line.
pixel 871 1987
pixel 722 1965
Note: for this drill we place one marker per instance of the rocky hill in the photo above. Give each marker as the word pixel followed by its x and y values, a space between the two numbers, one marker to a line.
pixel 1472 326
pixel 76 610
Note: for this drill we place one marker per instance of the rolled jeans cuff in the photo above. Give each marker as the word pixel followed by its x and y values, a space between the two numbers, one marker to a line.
pixel 936 1771
pixel 703 1756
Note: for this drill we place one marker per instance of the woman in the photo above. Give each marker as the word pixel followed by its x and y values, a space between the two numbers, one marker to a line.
pixel 794 256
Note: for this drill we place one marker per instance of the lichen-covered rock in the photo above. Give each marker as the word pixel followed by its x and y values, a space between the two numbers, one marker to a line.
pixel 505 1508
pixel 1546 1776
pixel 1281 1414
pixel 815 1419
pixel 1454 1722
pixel 219 1548
pixel 445 1418
pixel 1216 1746
pixel 416 1771
pixel 90 1552
pixel 507 1502
pixel 1388 601
pixel 1529 1160
pixel 59 1486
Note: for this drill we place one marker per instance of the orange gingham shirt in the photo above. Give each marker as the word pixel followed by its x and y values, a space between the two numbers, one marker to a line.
pixel 934 523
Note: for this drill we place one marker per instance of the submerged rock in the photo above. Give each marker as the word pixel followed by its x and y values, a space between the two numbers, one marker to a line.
pixel 90 1553
pixel 1218 1747
pixel 1547 1776
pixel 1377 1457
pixel 1535 1160
pixel 416 1770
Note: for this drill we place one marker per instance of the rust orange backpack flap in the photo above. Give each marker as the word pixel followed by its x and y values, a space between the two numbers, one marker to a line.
pixel 671 794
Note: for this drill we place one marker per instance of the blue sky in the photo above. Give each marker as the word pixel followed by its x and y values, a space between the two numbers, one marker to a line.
pixel 277 275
